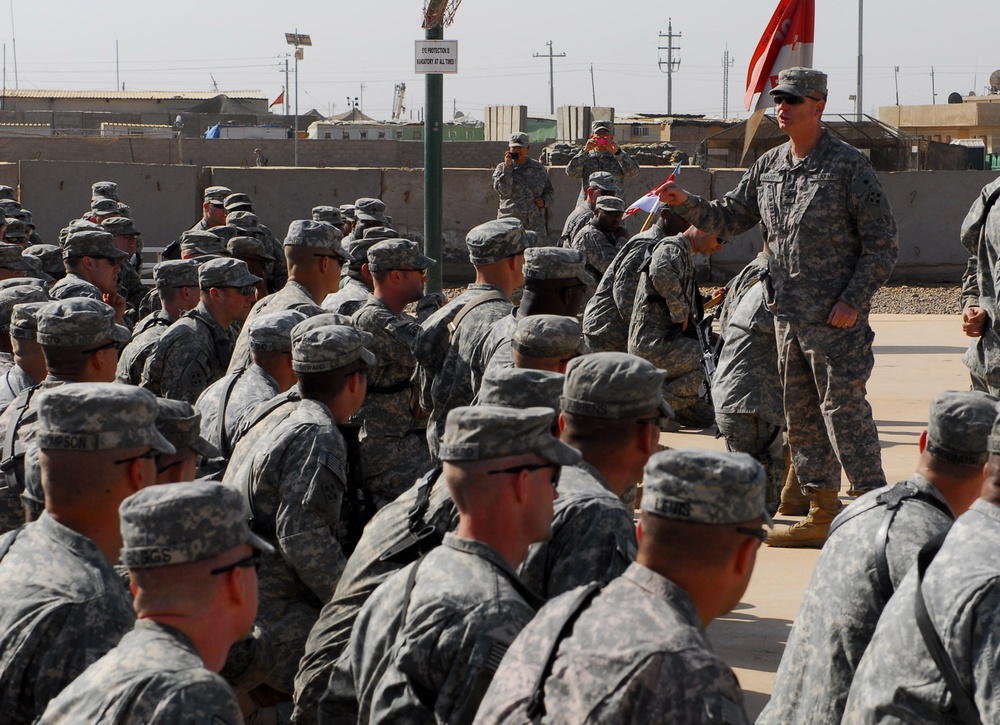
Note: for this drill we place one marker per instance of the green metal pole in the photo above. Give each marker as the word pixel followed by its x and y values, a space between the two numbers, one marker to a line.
pixel 433 208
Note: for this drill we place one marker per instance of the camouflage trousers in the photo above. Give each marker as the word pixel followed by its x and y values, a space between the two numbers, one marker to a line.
pixel 392 464
pixel 824 371
pixel 979 383
pixel 751 434
pixel 681 358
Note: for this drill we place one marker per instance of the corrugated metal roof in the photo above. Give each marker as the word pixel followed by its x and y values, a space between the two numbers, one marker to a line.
pixel 136 95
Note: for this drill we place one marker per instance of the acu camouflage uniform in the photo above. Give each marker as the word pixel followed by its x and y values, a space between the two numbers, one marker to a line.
pixel 293 296
pixel 667 294
pixel 154 675
pixel 844 601
pixel 425 656
pixel 62 607
pixel 73 285
pixel 145 335
pixel 897 680
pixel 981 238
pixel 585 163
pixel 597 245
pixel 582 213
pixel 353 293
pixel 518 185
pixel 832 238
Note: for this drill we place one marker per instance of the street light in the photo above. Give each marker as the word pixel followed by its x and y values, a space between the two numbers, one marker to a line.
pixel 298 40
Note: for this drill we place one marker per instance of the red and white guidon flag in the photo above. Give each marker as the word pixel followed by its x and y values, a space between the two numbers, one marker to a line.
pixel 651 201
pixel 787 42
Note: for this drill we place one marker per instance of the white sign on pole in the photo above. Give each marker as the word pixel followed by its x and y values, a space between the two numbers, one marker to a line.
pixel 436 56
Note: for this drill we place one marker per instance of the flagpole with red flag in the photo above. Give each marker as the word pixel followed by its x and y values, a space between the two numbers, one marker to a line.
pixel 279 99
pixel 787 42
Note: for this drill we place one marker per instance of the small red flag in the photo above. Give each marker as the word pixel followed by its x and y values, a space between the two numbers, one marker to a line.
pixel 279 99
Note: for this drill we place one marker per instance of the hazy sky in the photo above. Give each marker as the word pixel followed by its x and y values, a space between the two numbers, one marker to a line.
pixel 181 45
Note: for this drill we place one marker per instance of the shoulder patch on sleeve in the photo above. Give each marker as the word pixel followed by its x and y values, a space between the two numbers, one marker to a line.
pixel 869 191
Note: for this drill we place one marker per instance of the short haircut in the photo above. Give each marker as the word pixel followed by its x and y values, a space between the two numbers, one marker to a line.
pixel 67 361
pixel 330 383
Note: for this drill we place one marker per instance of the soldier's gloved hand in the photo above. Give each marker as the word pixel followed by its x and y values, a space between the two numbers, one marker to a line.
pixel 429 304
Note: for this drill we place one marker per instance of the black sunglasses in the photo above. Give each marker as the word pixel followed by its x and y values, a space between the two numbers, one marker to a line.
pixel 660 421
pixel 759 534
pixel 148 454
pixel 106 346
pixel 245 563
pixel 247 290
pixel 792 100
pixel 556 470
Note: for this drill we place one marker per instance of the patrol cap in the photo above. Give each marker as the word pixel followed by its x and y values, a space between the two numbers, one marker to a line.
pixel 92 243
pixel 124 210
pixel 24 319
pixel 49 257
pixel 610 204
pixel 598 125
pixel 248 247
pixel 23 282
pixel 79 322
pixel 549 336
pixel 273 332
pixel 245 220
pixel 348 211
pixel 75 226
pixel 225 272
pixel 402 254
pixel 800 82
pixel 98 417
pixel 316 235
pixel 183 522
pixel 959 426
pixel 120 226
pixel 519 140
pixel 604 181
pixel 323 319
pixel 216 195
pixel 13 296
pixel 481 432
pixel 328 214
pixel 104 190
pixel 542 263
pixel 704 487
pixel 238 202
pixel 321 349
pixel 21 214
pixel 358 248
pixel 8 205
pixel 225 232
pixel 7 192
pixel 176 273
pixel 520 388
pixel 370 210
pixel 613 385
pixel 181 425
pixel 495 240
pixel 11 258
pixel 104 207
pixel 379 233
pixel 16 230
pixel 202 242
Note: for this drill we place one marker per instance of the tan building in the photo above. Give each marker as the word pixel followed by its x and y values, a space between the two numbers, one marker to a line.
pixel 123 101
pixel 976 117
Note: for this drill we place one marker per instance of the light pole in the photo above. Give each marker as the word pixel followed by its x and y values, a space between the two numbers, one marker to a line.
pixel 298 40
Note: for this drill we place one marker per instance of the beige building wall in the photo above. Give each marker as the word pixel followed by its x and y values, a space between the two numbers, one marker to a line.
pixel 949 121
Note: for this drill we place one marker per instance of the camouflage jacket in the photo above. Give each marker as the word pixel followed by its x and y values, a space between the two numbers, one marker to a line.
pixel 221 418
pixel 664 298
pixel 293 296
pixel 191 355
pixel 585 163
pixel 843 603
pixel 826 220
pixel 427 657
pixel 518 185
pixel 73 285
pixel 981 238
pixel 62 607
pixel 598 246
pixel 593 536
pixel 145 335
pixel 577 220
pixel 353 293
pixel 12 383
pixel 637 650
pixel 897 679
pixel 154 675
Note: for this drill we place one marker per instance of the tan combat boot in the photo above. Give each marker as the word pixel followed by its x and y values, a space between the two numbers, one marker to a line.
pixel 811 532
pixel 793 501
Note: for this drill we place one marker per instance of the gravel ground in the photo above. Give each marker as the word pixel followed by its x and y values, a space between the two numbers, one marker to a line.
pixel 901 299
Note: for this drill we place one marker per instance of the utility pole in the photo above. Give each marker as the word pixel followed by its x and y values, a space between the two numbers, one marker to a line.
pixel 118 80
pixel 933 90
pixel 727 63
pixel 861 62
pixel 285 89
pixel 552 75
pixel 896 73
pixel 671 65
pixel 298 40
pixel 593 88
pixel 361 107
pixel 433 151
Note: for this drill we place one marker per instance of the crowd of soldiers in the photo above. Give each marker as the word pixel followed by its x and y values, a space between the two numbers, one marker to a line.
pixel 286 485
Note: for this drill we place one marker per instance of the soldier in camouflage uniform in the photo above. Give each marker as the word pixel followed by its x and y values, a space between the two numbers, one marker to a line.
pixel 328 214
pixel 598 239
pixel 194 351
pixel 446 350
pixel 398 534
pixel 176 286
pixel 356 283
pixel 92 265
pixel 46 258
pixel 29 363
pixel 668 308
pixel 259 261
pixel 898 679
pixel 295 487
pixel 601 183
pixel 224 403
pixel 8 298
pixel 606 318
pixel 191 558
pixel 79 339
pixel 13 263
pixel 872 545
pixel 635 650
pixel 181 425
pixel 746 388
pixel 601 153
pixel 62 605
pixel 426 644
pixel 524 187
pixel 240 202
pixel 213 208
pixel 126 237
pixel 314 256
pixel 816 188
pixel 539 342
pixel 393 447
pixel 981 238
